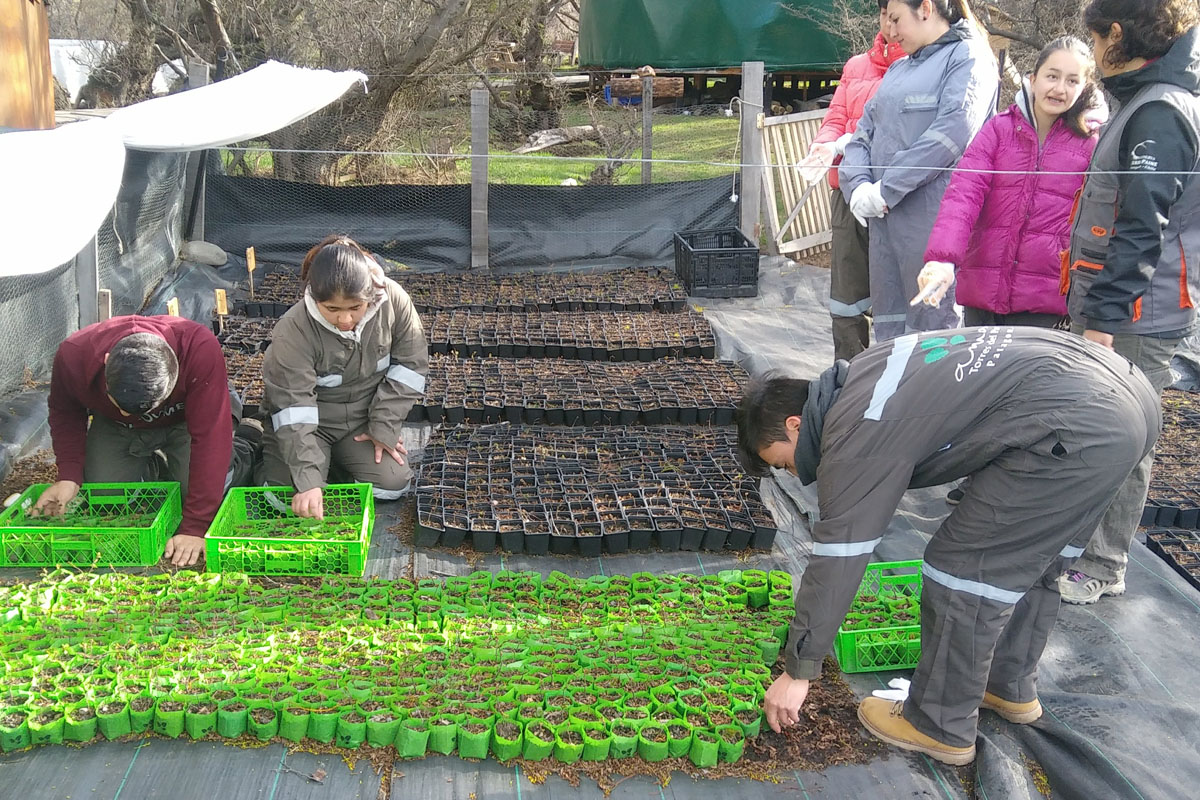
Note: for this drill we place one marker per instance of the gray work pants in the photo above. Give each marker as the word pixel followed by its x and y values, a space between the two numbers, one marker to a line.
pixel 340 423
pixel 990 587
pixel 1107 553
pixel 849 281
pixel 116 454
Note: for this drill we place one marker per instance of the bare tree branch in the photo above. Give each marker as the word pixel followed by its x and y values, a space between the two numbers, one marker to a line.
pixel 216 29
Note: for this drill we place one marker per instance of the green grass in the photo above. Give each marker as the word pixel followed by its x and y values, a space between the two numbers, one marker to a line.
pixel 676 138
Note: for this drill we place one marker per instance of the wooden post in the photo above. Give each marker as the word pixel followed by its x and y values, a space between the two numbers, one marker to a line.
pixel 752 152
pixel 26 82
pixel 193 187
pixel 87 283
pixel 480 110
pixel 104 304
pixel 647 125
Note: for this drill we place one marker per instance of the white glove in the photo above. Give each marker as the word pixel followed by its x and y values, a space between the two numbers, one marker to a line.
pixel 839 145
pixel 899 690
pixel 933 282
pixel 866 202
pixel 818 161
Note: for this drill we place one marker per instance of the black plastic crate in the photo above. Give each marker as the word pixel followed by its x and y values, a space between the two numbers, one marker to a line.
pixel 717 263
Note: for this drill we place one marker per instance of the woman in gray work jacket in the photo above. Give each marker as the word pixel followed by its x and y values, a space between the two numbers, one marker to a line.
pixel 345 366
pixel 927 109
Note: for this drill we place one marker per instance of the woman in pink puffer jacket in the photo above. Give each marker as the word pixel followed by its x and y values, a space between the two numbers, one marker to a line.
pixel 1006 215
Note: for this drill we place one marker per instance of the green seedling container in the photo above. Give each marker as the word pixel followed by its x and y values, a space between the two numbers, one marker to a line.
pixel 865 646
pixel 539 740
pixel 649 747
pixel 704 750
pixel 141 712
pixel 46 727
pixel 568 744
pixel 507 739
pixel 14 729
pixel 231 718
pixel 293 722
pixel 597 741
pixel 262 721
pixel 168 717
pixel 443 735
pixel 412 740
pixel 679 738
pixel 474 737
pixel 351 729
pixel 246 535
pixel 731 742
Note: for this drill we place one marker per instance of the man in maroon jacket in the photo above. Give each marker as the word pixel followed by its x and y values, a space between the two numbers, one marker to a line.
pixel 152 385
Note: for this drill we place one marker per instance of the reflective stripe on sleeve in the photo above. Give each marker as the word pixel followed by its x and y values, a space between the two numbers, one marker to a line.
pixel 410 378
pixel 382 363
pixel 329 381
pixel 294 415
pixel 893 371
pixel 1071 552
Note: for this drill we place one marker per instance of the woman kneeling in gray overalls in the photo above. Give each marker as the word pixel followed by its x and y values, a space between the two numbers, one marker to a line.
pixel 345 366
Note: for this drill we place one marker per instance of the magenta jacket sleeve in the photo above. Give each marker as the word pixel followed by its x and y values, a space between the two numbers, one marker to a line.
pixel 963 201
pixel 68 419
pixel 210 424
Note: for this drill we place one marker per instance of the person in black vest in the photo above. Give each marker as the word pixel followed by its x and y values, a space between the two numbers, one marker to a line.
pixel 1134 228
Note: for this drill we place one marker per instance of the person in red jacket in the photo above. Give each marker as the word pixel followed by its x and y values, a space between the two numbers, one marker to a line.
pixel 849 287
pixel 151 385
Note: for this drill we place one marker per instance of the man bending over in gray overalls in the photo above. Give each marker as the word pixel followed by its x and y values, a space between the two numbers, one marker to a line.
pixel 1047 426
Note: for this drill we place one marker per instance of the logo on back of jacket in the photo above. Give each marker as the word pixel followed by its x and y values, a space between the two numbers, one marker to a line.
pixel 979 353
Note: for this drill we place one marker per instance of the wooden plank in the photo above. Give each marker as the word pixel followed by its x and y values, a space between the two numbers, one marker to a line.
pixel 632 87
pixel 26 82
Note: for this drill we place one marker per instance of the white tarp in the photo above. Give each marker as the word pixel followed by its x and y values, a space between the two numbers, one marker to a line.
pixel 60 184
pixel 265 99
pixel 72 61
pixel 58 187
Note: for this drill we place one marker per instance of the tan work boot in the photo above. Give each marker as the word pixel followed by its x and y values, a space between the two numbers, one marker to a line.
pixel 884 720
pixel 1018 713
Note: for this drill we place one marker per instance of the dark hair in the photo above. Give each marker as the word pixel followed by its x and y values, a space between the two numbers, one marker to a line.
pixel 883 4
pixel 140 372
pixel 1148 27
pixel 762 416
pixel 1074 117
pixel 950 10
pixel 339 267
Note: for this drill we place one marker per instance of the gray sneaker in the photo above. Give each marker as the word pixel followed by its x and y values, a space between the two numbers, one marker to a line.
pixel 1081 589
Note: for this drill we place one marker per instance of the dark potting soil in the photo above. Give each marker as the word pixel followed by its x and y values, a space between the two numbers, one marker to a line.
pixel 720 718
pixel 371 705
pixel 747 716
pixel 11 720
pixel 387 716
pixel 47 717
pixel 540 732
pixel 223 695
pixel 82 714
pixel 475 727
pixel 624 731
pixel 263 716
pixel 508 730
pixel 36 468
pixel 354 718
pixel 732 735
pixel 170 705
pixel 556 718
pixel 235 708
pixel 571 737
pixel 202 708
pixel 141 703
pixel 654 734
pixel 829 734
pixel 678 732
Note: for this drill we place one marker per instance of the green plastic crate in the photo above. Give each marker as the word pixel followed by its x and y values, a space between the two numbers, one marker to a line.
pixel 876 649
pixel 78 541
pixel 227 550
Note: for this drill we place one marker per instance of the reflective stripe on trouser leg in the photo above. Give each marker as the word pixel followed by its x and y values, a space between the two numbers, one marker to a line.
pixel 849 281
pixel 989 599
